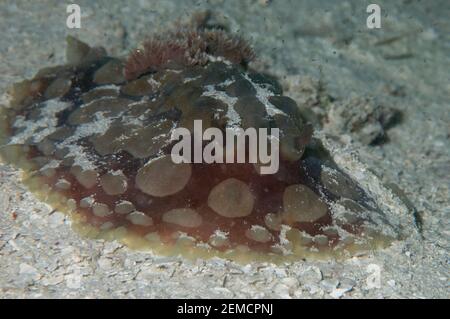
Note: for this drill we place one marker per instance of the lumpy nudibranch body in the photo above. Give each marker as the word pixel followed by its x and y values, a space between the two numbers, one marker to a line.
pixel 94 138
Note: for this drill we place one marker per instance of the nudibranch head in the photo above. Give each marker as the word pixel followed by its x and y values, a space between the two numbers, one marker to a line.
pixel 94 138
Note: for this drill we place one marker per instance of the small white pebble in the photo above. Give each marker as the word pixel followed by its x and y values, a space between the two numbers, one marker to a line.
pixel 27 269
pixel 329 284
pixel 339 292
pixel 73 281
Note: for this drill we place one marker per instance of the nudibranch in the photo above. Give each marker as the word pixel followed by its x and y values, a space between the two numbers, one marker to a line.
pixel 93 137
